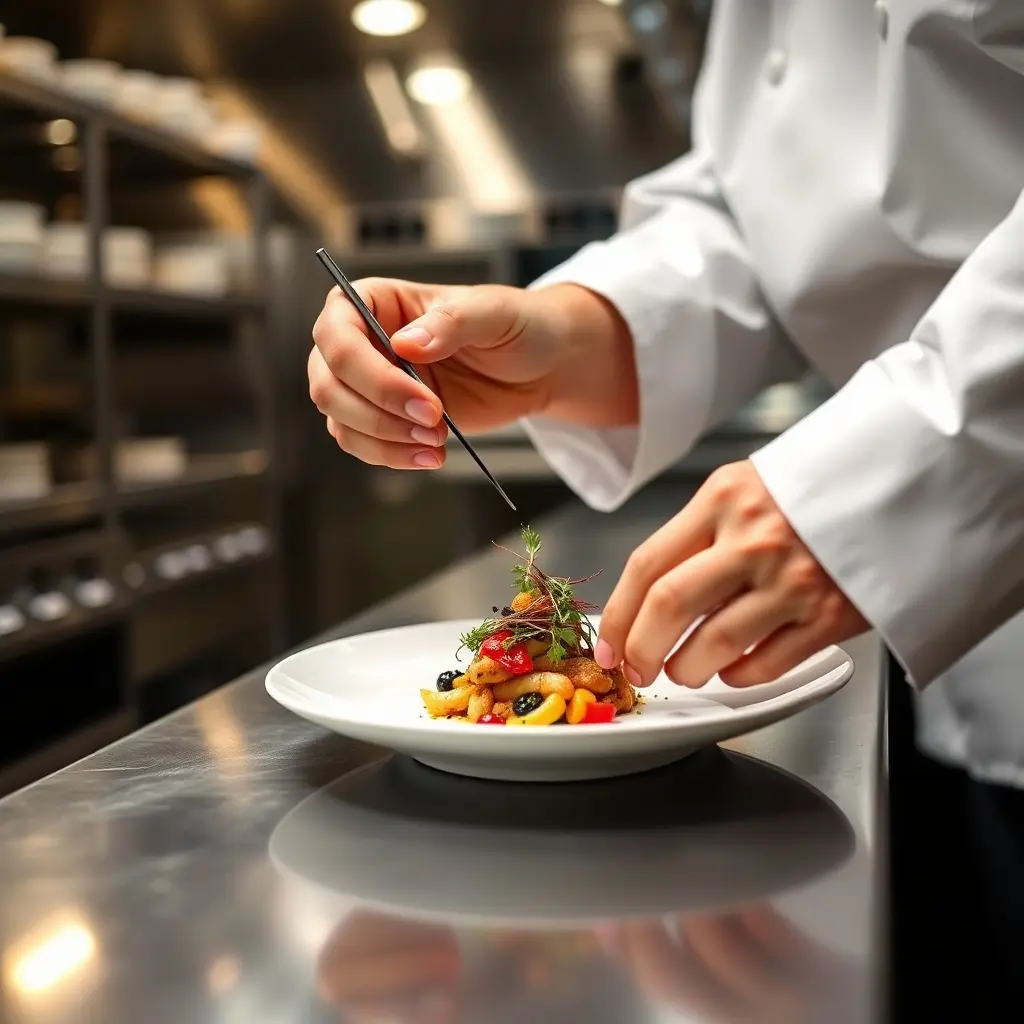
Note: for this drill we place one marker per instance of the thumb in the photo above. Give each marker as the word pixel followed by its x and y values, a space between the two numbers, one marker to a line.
pixel 481 317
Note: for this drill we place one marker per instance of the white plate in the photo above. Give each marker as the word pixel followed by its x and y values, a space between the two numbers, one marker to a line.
pixel 367 687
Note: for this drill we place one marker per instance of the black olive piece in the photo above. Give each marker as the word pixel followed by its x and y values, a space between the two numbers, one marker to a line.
pixel 446 680
pixel 507 610
pixel 527 702
pixel 494 608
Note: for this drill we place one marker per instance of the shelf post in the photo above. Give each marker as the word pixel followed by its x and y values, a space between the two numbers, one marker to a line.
pixel 95 188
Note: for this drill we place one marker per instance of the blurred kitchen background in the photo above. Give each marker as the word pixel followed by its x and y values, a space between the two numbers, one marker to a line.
pixel 172 511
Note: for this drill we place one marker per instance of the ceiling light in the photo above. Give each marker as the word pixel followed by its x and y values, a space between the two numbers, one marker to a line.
pixel 437 86
pixel 388 17
pixel 392 106
pixel 649 18
pixel 611 3
pixel 61 132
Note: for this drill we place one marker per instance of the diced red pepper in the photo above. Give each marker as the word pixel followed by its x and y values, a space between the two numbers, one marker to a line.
pixel 490 720
pixel 598 713
pixel 516 659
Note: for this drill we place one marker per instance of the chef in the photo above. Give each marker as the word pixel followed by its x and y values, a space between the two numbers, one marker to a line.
pixel 852 203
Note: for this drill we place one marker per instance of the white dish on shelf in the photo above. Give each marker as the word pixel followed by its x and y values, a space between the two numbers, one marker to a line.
pixel 235 140
pixel 198 268
pixel 92 80
pixel 29 57
pixel 181 107
pixel 20 257
pixel 136 94
pixel 128 257
pixel 150 459
pixel 127 253
pixel 367 687
pixel 25 471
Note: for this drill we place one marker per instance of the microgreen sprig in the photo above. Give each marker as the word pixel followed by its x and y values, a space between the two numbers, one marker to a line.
pixel 555 616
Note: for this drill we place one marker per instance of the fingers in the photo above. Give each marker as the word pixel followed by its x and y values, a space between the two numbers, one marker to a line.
pixel 375 452
pixel 674 602
pixel 481 317
pixel 349 409
pixel 779 938
pixel 723 946
pixel 344 353
pixel 663 974
pixel 725 636
pixel 681 538
pixel 786 649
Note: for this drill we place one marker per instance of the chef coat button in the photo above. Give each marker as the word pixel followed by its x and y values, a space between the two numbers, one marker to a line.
pixel 775 67
pixel 882 18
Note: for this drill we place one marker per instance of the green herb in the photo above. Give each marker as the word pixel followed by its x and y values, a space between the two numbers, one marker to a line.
pixel 556 616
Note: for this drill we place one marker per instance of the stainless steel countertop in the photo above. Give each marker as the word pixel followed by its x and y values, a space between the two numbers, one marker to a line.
pixel 166 879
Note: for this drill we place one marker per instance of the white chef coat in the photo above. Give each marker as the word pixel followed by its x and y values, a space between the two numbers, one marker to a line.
pixel 852 202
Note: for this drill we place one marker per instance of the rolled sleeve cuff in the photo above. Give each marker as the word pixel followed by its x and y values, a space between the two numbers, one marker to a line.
pixel 865 481
pixel 656 277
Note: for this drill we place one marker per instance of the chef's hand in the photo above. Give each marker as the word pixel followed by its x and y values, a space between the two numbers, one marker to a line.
pixel 488 355
pixel 378 969
pixel 731 556
pixel 746 966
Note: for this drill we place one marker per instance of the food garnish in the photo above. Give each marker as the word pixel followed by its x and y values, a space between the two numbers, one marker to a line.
pixel 533 660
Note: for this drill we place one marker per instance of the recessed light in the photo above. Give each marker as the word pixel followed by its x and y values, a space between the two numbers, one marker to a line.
pixel 611 3
pixel 61 132
pixel 388 17
pixel 438 85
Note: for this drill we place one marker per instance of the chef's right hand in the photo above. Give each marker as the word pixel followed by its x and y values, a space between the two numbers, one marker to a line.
pixel 488 355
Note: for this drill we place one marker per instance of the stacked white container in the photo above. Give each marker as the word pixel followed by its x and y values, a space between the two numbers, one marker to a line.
pixel 21 236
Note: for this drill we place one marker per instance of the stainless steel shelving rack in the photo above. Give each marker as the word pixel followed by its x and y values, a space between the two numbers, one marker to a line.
pixel 112 149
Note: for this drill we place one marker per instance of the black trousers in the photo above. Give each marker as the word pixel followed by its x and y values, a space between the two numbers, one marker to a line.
pixel 956 885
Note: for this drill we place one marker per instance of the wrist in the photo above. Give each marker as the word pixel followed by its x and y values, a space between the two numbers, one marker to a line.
pixel 593 379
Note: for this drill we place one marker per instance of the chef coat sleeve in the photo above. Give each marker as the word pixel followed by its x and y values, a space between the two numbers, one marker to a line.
pixel 908 485
pixel 705 342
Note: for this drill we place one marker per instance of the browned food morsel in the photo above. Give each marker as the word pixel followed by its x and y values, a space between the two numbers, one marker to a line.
pixel 484 671
pixel 480 703
pixel 623 697
pixel 545 683
pixel 583 672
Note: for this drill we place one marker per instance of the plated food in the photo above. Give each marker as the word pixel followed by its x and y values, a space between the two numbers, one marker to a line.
pixel 533 660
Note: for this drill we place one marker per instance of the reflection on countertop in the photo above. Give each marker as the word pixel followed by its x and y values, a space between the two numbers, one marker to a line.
pixel 455 900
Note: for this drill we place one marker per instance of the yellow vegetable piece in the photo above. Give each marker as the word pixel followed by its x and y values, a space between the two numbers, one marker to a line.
pixel 441 705
pixel 577 709
pixel 547 714
pixel 522 601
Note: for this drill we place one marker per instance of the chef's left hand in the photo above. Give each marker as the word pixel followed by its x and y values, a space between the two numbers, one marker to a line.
pixel 731 556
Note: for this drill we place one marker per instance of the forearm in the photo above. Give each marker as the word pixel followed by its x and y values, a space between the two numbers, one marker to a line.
pixel 594 380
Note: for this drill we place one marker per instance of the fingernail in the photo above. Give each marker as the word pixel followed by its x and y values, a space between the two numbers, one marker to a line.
pixel 603 654
pixel 632 675
pixel 414 335
pixel 428 460
pixel 426 435
pixel 421 411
